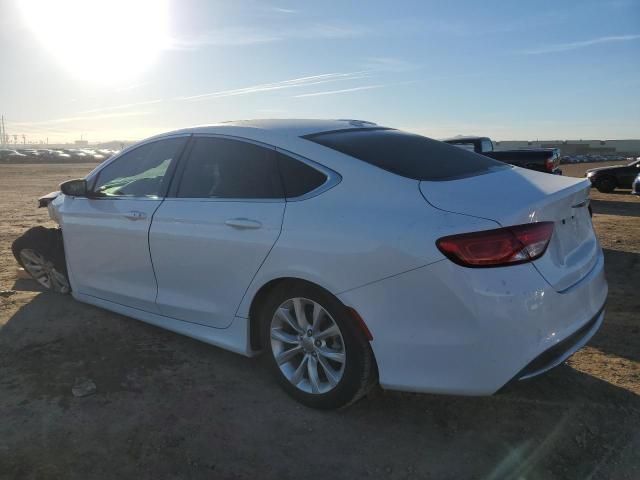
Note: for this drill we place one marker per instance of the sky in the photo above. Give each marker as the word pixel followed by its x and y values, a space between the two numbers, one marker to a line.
pixel 127 69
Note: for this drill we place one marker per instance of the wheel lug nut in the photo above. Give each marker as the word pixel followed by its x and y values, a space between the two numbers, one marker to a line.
pixel 318 343
pixel 309 333
pixel 314 354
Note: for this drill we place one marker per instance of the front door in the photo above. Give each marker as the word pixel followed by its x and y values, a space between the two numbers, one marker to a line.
pixel 106 234
pixel 209 240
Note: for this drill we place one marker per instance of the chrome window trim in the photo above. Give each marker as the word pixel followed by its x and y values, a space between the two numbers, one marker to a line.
pixel 227 200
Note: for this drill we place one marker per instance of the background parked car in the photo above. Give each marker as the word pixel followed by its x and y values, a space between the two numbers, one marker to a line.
pixel 7 154
pixel 607 179
pixel 635 188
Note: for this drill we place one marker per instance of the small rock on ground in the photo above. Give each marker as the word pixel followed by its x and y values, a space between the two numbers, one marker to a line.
pixel 83 388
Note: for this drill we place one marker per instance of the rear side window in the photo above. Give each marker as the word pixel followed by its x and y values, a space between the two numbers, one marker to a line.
pixel 407 154
pixel 298 178
pixel 224 168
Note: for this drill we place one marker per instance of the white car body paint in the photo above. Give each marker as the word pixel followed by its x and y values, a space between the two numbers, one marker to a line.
pixel 191 240
pixel 109 253
pixel 370 240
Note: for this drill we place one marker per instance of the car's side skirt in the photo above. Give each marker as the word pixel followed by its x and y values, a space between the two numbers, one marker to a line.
pixel 233 338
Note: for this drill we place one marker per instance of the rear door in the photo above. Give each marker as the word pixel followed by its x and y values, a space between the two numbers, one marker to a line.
pixel 106 234
pixel 209 239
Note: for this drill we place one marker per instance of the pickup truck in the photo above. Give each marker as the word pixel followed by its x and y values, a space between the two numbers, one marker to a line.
pixel 540 159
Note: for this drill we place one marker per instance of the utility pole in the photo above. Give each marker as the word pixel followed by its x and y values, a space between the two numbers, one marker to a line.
pixel 3 134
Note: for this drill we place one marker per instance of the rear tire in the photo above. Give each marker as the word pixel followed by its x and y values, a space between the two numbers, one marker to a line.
pixel 606 184
pixel 40 252
pixel 327 370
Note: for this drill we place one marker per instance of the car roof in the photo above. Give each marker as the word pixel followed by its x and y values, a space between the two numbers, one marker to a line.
pixel 463 138
pixel 280 127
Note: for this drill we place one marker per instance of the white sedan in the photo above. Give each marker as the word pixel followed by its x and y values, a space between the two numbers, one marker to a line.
pixel 351 253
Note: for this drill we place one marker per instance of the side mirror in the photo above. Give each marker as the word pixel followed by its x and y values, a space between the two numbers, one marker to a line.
pixel 74 188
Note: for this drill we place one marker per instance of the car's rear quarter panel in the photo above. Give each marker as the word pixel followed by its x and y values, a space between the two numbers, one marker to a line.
pixel 450 329
pixel 370 226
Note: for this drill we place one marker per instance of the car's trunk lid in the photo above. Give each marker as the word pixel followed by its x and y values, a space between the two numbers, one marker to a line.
pixel 516 196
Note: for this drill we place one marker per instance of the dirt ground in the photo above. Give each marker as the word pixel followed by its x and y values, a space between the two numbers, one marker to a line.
pixel 170 407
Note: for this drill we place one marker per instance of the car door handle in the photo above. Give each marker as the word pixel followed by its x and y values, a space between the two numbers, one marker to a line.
pixel 243 223
pixel 135 215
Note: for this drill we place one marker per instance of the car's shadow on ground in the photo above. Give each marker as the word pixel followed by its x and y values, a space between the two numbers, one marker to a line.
pixel 27 285
pixel 620 334
pixel 613 207
pixel 168 404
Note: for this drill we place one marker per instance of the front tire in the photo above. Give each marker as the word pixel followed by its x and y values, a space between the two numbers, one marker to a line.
pixel 40 252
pixel 606 185
pixel 316 352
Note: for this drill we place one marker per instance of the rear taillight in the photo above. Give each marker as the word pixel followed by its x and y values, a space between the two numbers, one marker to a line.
pixel 550 164
pixel 499 247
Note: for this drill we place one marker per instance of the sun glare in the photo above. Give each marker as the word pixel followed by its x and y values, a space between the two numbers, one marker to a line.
pixel 102 41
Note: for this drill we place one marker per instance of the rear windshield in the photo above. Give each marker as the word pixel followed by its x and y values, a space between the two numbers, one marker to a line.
pixel 406 154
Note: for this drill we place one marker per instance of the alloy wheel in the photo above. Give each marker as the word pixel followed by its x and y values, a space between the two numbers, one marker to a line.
pixel 43 271
pixel 307 345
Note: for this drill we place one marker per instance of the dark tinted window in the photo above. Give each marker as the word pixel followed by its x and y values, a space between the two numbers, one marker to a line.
pixel 298 178
pixel 406 154
pixel 140 172
pixel 223 168
pixel 487 146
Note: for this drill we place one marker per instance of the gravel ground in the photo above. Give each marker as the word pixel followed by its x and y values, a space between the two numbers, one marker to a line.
pixel 166 406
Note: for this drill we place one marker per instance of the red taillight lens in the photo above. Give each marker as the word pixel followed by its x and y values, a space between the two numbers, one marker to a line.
pixel 550 164
pixel 499 247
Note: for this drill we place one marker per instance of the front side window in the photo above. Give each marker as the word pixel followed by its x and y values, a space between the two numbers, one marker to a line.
pixel 225 168
pixel 140 172
pixel 487 146
pixel 470 147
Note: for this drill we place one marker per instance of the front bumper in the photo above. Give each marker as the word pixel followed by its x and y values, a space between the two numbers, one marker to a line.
pixel 448 329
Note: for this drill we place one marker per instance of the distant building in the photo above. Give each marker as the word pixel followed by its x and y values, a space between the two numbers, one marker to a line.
pixel 81 143
pixel 577 147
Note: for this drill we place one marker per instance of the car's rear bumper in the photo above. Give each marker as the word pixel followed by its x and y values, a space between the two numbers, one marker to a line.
pixel 561 351
pixel 449 329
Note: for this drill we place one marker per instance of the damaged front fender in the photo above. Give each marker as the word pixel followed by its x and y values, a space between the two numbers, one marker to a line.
pixel 52 201
pixel 47 199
